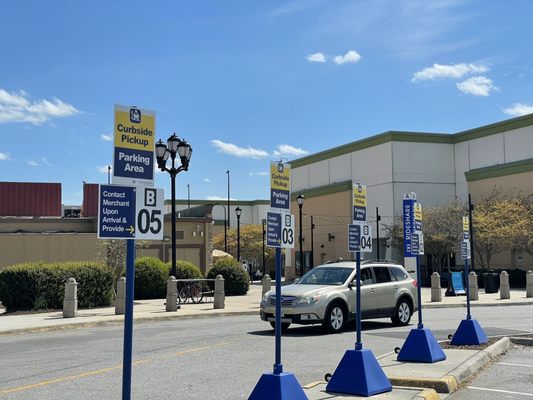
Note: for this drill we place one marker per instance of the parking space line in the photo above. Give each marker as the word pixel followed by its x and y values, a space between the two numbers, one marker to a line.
pixel 515 365
pixel 500 391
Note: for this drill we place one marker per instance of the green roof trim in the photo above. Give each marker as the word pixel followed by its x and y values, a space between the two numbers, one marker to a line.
pixel 391 136
pixel 495 171
pixel 323 190
pixel 492 129
pixel 416 137
pixel 195 203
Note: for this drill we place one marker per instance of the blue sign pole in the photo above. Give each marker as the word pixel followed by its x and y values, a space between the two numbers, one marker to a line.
pixel 419 292
pixel 468 316
pixel 278 367
pixel 358 343
pixel 128 320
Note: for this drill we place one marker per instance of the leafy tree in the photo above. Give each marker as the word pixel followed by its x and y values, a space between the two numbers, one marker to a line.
pixel 251 244
pixel 502 222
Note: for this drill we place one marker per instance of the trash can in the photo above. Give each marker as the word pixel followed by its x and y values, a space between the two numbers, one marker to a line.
pixel 492 282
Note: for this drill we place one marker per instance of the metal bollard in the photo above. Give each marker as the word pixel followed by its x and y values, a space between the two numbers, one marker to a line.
pixel 436 290
pixel 472 286
pixel 267 284
pixel 529 284
pixel 120 301
pixel 172 294
pixel 70 301
pixel 220 297
pixel 505 292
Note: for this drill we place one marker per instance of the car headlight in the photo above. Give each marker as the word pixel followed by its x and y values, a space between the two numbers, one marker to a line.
pixel 307 300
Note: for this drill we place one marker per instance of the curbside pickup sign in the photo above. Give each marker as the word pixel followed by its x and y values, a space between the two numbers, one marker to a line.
pixel 126 212
pixel 134 144
pixel 280 230
pixel 280 186
pixel 359 202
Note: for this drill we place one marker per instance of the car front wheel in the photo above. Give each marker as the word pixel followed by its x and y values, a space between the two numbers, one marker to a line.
pixel 335 318
pixel 403 313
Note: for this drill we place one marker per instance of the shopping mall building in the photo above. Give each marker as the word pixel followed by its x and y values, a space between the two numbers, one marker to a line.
pixel 437 167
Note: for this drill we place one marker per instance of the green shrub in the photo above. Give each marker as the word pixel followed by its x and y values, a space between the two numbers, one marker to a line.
pixel 236 279
pixel 151 276
pixel 185 270
pixel 40 285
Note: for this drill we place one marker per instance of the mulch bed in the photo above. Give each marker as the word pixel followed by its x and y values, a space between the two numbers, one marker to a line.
pixel 447 345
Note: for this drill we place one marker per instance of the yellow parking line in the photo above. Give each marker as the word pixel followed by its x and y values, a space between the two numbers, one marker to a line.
pixel 104 370
pixel 67 378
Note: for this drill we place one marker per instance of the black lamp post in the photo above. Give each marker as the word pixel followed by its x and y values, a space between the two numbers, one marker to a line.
pixel 188 195
pixel 174 146
pixel 300 200
pixel 229 209
pixel 312 244
pixel 238 212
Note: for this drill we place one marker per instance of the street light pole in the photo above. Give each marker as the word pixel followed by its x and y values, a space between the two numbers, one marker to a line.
pixel 378 218
pixel 238 212
pixel 300 200
pixel 312 244
pixel 180 147
pixel 188 195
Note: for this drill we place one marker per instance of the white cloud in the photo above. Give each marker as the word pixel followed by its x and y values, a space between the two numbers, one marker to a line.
pixel 218 198
pixel 207 180
pixel 261 173
pixel 477 86
pixel 32 163
pixel 5 157
pixel 287 150
pixel 106 138
pixel 17 107
pixel 46 162
pixel 351 57
pixel 231 149
pixel 516 110
pixel 103 169
pixel 316 57
pixel 440 71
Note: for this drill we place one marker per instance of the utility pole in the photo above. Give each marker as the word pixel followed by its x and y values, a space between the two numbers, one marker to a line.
pixel 471 229
pixel 378 218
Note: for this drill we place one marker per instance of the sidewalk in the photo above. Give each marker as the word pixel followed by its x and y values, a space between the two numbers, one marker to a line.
pixel 235 305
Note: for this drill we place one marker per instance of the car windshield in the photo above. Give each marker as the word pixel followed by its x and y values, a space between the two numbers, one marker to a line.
pixel 326 276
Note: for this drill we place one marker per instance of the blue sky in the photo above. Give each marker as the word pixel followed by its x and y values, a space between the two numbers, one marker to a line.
pixel 246 82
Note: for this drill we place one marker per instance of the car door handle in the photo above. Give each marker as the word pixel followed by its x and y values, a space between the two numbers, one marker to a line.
pixel 396 287
pixel 373 291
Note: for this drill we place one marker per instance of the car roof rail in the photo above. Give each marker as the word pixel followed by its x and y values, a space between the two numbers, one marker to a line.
pixel 380 262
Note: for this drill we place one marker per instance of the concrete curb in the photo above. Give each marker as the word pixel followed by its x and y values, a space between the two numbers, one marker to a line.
pixel 450 382
pixel 512 303
pixel 120 321
pixel 428 394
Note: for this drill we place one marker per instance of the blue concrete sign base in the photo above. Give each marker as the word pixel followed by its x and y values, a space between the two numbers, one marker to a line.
pixel 277 387
pixel 469 333
pixel 421 346
pixel 359 373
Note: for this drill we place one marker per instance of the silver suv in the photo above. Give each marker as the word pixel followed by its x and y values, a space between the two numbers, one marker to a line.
pixel 326 295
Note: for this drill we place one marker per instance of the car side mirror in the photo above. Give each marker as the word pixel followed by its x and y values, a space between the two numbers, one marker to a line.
pixel 296 280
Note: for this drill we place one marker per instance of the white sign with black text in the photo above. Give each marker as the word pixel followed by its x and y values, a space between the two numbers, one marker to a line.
pixel 150 211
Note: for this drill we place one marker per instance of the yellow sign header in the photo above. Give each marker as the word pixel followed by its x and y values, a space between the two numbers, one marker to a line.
pixel 418 212
pixel 359 195
pixel 466 225
pixel 280 176
pixel 134 128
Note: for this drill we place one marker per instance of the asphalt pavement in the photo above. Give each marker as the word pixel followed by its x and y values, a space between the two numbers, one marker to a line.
pixel 460 365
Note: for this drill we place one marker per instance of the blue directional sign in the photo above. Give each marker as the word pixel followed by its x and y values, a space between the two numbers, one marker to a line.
pixel 273 229
pixel 116 212
pixel 354 237
pixel 408 224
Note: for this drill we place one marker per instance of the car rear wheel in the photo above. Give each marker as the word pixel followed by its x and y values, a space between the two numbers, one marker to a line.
pixel 284 326
pixel 403 313
pixel 335 318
